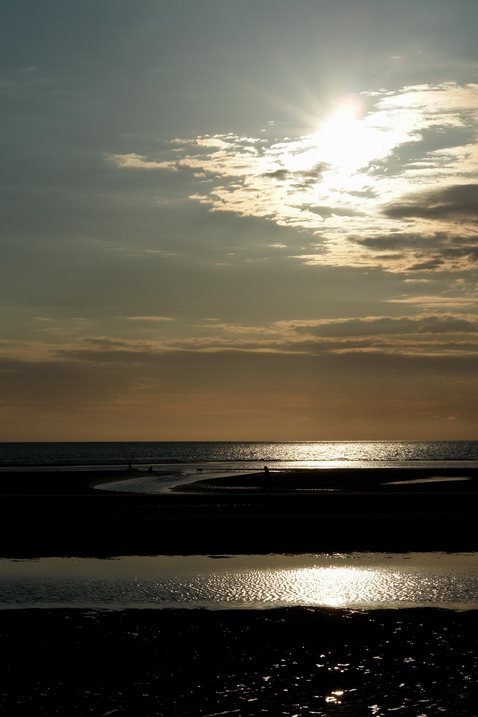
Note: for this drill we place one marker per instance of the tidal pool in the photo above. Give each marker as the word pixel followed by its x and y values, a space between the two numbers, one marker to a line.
pixel 351 580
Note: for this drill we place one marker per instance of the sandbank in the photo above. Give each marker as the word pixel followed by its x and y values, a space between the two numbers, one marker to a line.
pixel 63 513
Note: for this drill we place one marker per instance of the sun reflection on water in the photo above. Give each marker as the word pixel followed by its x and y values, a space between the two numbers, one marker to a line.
pixel 335 586
pixel 355 581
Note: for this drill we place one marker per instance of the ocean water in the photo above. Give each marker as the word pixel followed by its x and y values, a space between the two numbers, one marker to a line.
pixel 241 455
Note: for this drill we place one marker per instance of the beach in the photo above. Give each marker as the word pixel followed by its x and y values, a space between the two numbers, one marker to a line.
pixel 216 662
pixel 66 513
pixel 146 663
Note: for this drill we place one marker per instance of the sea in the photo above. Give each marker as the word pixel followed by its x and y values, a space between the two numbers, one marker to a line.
pixel 230 455
pixel 191 635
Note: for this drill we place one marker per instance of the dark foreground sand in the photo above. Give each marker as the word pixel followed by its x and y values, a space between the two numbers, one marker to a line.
pixel 64 514
pixel 276 662
pixel 198 663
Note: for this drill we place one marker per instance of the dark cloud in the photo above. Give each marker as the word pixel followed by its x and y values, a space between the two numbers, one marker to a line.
pixel 325 212
pixel 401 241
pixel 302 178
pixel 423 252
pixel 428 265
pixel 120 357
pixel 462 250
pixel 456 203
pixel 280 174
pixel 391 326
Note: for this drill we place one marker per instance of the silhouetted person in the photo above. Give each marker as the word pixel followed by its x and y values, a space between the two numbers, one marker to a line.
pixel 266 470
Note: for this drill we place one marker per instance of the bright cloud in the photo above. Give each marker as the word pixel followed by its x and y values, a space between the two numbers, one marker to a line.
pixel 154 319
pixel 362 184
pixel 138 161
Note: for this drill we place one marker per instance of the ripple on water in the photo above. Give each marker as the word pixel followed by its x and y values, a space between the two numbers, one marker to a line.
pixel 353 581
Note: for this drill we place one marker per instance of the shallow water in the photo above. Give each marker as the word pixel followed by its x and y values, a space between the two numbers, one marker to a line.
pixel 354 580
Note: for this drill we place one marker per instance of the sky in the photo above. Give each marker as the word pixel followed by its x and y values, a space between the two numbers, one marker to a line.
pixel 238 220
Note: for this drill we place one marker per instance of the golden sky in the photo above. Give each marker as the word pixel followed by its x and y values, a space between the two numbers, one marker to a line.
pixel 239 220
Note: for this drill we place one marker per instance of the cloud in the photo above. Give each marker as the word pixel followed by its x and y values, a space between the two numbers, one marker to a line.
pixel 110 390
pixel 457 203
pixel 280 174
pixel 138 161
pixel 154 319
pixel 450 250
pixel 298 178
pixel 347 184
pixel 437 302
pixel 387 325
pixel 426 334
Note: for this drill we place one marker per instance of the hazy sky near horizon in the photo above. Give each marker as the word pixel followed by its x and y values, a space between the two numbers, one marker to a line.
pixel 239 219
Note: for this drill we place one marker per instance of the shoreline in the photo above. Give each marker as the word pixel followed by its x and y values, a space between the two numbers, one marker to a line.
pixel 379 510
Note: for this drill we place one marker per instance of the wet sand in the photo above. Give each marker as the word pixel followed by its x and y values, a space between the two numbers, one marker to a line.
pixel 62 513
pixel 194 663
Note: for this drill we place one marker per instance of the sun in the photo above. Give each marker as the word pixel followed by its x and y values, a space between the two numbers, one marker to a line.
pixel 342 145
pixel 346 112
pixel 336 165
pixel 344 141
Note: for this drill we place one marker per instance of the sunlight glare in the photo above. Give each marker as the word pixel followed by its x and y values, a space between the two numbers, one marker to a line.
pixel 347 143
pixel 335 586
pixel 339 155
